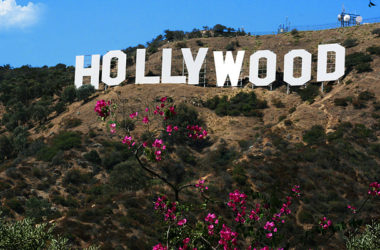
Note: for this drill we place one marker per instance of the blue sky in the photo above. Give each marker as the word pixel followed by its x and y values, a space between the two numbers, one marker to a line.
pixel 47 32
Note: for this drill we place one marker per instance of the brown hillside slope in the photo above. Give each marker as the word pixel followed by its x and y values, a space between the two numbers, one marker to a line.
pixel 91 213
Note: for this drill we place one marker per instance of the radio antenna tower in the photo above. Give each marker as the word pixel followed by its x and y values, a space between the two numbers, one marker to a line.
pixel 348 19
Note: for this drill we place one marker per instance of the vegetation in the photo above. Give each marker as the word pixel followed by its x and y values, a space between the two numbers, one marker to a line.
pixel 309 93
pixel 376 32
pixel 350 42
pixel 369 239
pixel 359 61
pixel 25 234
pixel 245 104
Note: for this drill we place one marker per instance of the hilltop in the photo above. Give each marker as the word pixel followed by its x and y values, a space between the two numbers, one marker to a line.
pixel 63 166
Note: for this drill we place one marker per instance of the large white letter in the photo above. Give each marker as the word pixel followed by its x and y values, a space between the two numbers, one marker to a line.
pixel 227 67
pixel 121 67
pixel 166 76
pixel 140 70
pixel 270 68
pixel 93 71
pixel 289 70
pixel 193 67
pixel 340 53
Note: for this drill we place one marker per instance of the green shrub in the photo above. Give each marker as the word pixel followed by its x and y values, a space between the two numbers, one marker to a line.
pixel 360 131
pixel 85 91
pixel 363 67
pixel 350 42
pixel 186 155
pixel 180 45
pixel 65 140
pixel 366 95
pixel 369 239
pixel 16 205
pixel 288 123
pixel 340 102
pixel 60 107
pixel 6 148
pixel 374 50
pixel 69 94
pixel 282 117
pixel 309 93
pixel 25 234
pixel 93 157
pixel 110 159
pixel 358 61
pixel 376 32
pixel 72 123
pixel 199 43
pixel 295 33
pixel 316 135
pixel 245 104
pixel 244 144
pixel 128 176
pixel 232 45
pixel 76 177
pixel 38 208
pixel 278 103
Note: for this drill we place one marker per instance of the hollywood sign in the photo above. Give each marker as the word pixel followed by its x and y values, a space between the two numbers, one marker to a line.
pixel 224 66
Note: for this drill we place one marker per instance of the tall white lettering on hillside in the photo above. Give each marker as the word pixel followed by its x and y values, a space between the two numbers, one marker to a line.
pixel 289 69
pixel 254 68
pixel 121 67
pixel 81 71
pixel 194 66
pixel 140 69
pixel 228 67
pixel 340 54
pixel 167 68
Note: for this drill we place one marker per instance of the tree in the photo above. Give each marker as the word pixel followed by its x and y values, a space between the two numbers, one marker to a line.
pixel 219 29
pixel 26 235
pixel 85 91
pixel 69 94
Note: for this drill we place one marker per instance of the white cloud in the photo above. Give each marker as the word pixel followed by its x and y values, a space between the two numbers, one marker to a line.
pixel 17 16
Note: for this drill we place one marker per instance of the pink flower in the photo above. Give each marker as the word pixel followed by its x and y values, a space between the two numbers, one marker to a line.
pixel 211 218
pixel 146 110
pixel 168 209
pixel 133 115
pixel 169 129
pixel 200 186
pixel 227 237
pixel 163 99
pixel 159 246
pixel 128 140
pixel 255 213
pixel 144 144
pixel 353 209
pixel 182 222
pixel 113 128
pixel 196 132
pixel 324 223
pixel 102 108
pixel 237 203
pixel 374 189
pixel 145 120
pixel 296 190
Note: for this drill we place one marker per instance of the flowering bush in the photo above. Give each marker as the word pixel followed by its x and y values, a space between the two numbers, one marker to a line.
pixel 257 221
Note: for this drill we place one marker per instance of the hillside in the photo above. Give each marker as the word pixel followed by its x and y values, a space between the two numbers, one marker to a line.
pixel 104 198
